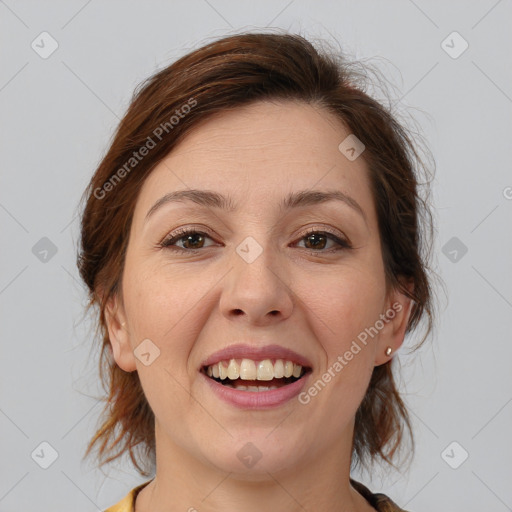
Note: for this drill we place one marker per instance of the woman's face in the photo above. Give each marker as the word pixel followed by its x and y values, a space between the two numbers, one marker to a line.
pixel 269 266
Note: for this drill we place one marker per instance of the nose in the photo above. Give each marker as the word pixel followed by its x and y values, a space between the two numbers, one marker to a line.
pixel 256 291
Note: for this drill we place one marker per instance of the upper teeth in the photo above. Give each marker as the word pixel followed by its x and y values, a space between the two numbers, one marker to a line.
pixel 248 369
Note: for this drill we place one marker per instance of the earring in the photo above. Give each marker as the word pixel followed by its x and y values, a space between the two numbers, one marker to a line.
pixel 388 351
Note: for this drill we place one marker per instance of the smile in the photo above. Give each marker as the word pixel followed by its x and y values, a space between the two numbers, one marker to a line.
pixel 252 384
pixel 246 374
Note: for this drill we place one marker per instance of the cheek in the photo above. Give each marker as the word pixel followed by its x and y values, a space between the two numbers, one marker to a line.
pixel 161 309
pixel 158 299
pixel 344 303
pixel 169 307
pixel 343 306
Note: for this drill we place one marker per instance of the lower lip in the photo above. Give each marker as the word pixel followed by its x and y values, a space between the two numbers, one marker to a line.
pixel 257 399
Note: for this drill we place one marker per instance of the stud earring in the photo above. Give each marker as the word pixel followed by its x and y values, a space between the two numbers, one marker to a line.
pixel 388 351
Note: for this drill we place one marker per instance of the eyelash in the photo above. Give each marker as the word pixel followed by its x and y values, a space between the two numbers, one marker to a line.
pixel 168 242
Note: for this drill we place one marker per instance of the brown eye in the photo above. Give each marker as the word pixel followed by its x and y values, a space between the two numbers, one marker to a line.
pixel 189 239
pixel 317 241
pixel 193 241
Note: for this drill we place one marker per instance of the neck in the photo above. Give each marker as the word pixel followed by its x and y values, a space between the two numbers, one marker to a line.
pixel 185 483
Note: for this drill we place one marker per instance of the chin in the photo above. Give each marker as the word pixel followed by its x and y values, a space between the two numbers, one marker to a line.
pixel 253 456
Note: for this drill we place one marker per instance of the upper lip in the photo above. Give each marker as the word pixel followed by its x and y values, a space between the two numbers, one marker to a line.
pixel 246 351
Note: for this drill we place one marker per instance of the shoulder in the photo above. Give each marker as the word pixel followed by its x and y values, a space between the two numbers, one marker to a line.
pixel 379 501
pixel 127 504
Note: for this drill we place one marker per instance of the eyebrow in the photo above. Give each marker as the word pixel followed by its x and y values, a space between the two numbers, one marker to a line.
pixel 293 200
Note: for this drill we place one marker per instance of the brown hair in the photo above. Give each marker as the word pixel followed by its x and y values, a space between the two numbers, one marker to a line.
pixel 222 75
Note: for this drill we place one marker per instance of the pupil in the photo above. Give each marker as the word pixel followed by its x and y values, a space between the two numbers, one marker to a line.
pixel 315 245
pixel 191 237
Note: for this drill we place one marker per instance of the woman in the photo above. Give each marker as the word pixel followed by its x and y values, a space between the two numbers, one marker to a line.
pixel 252 241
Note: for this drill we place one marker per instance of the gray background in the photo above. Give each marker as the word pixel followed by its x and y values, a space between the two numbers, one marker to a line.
pixel 57 117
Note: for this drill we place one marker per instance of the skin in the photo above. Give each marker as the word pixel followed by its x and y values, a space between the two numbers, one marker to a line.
pixel 191 305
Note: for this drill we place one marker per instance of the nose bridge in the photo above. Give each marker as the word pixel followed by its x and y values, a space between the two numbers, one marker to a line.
pixel 256 286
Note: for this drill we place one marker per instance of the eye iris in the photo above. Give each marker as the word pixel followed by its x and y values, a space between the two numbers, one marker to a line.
pixel 316 245
pixel 190 237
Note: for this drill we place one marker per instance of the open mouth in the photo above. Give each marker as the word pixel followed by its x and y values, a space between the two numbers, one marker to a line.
pixel 255 376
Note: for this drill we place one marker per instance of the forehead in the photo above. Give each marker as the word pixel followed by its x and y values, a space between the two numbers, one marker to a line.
pixel 260 152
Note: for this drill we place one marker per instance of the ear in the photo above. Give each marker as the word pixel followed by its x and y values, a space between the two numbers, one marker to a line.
pixel 119 335
pixel 398 310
